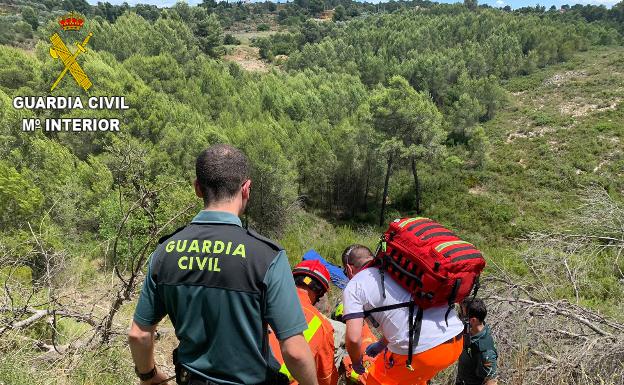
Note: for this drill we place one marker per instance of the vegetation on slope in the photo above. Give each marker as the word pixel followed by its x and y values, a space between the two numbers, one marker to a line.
pixel 523 111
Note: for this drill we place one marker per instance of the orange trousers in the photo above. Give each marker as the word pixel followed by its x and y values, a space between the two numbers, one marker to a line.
pixel 390 369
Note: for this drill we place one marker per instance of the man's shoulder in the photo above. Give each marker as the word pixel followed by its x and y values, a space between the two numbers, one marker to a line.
pixel 367 280
pixel 359 282
pixel 185 232
pixel 486 342
pixel 161 248
pixel 264 240
pixel 164 238
pixel 367 276
pixel 311 312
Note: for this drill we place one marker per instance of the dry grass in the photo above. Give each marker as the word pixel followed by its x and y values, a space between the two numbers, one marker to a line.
pixel 248 58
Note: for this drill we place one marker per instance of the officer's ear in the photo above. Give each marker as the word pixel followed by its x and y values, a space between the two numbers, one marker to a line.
pixel 246 189
pixel 198 190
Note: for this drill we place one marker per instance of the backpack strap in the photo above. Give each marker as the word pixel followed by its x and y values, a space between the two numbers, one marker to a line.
pixel 382 276
pixel 415 324
pixel 367 313
pixel 451 300
pixel 387 307
pixel 476 286
pixel 414 333
pixel 381 247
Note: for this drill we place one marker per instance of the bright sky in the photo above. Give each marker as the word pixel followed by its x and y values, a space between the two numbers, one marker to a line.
pixel 495 3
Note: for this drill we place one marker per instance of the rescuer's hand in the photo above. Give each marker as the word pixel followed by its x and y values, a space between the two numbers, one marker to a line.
pixel 358 367
pixel 375 348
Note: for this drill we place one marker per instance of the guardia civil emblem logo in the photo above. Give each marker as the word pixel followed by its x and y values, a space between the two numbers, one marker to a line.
pixel 70 22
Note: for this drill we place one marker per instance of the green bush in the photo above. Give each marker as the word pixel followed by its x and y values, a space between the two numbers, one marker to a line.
pixel 541 118
pixel 21 275
pixel 605 126
pixel 525 83
pixel 230 39
pixel 19 196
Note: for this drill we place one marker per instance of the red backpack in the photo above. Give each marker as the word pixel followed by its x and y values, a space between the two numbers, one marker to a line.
pixel 430 262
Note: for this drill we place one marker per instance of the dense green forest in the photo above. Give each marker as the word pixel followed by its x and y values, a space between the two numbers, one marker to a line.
pixel 505 125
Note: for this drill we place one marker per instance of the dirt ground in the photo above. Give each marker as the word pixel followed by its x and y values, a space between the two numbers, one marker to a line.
pixel 248 58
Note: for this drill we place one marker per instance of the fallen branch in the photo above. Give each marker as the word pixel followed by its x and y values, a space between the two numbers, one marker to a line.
pixel 557 309
pixel 38 314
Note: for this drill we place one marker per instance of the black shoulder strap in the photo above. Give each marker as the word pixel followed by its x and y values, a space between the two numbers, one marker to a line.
pixel 414 333
pixel 367 313
pixel 415 324
pixel 387 307
pixel 164 238
pixel 266 240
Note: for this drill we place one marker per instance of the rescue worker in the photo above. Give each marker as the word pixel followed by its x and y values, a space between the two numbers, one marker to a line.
pixel 477 363
pixel 312 281
pixel 438 347
pixel 221 286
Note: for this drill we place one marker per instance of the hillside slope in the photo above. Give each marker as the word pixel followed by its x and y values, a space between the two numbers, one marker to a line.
pixel 562 130
pixel 559 133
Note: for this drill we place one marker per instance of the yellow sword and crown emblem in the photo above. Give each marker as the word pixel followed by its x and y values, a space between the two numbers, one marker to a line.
pixel 60 51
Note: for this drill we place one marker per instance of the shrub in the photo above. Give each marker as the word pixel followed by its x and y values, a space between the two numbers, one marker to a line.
pixel 230 39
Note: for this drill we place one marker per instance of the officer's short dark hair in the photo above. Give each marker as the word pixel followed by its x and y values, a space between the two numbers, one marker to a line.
pixel 356 255
pixel 475 308
pixel 221 169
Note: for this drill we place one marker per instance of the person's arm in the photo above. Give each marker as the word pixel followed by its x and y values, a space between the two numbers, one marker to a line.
pixel 141 341
pixel 487 367
pixel 298 359
pixel 353 339
pixel 353 300
pixel 148 313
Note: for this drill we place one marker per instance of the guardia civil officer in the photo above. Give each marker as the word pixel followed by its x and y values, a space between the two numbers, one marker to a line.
pixel 221 285
pixel 478 361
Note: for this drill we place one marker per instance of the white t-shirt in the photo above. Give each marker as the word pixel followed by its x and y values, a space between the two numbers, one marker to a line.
pixel 363 292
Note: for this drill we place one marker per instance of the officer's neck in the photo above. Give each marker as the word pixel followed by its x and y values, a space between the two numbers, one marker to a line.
pixel 476 328
pixel 234 207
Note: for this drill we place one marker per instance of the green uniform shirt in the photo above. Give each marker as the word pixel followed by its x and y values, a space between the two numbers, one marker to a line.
pixel 218 325
pixel 478 361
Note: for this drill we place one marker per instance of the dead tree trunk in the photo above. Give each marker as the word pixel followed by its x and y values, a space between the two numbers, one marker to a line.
pixel 365 203
pixel 416 185
pixel 385 191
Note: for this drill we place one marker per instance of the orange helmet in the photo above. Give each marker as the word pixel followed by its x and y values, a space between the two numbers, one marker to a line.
pixel 314 269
